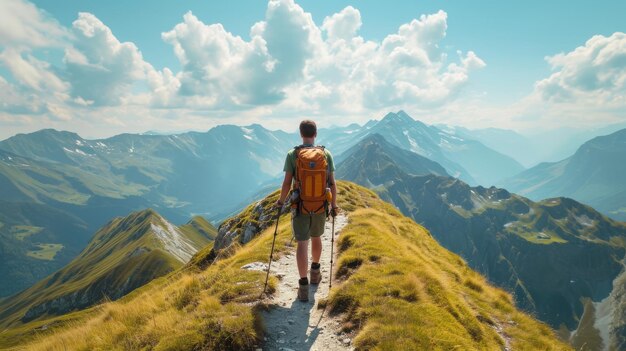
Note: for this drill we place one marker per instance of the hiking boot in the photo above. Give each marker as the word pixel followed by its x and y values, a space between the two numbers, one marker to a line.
pixel 316 276
pixel 303 292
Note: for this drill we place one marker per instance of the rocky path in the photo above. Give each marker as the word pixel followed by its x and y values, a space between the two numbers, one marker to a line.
pixel 295 325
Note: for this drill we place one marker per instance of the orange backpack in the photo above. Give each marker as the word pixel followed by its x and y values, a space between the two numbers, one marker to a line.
pixel 311 179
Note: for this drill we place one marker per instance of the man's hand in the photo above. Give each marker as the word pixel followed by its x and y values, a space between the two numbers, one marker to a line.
pixel 334 211
pixel 278 204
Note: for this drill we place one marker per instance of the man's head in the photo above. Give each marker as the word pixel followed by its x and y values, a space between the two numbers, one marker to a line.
pixel 308 129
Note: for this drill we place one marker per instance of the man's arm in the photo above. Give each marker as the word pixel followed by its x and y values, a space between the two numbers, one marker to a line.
pixel 284 191
pixel 333 190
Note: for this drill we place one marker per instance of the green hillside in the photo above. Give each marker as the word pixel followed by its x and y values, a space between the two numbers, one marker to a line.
pixel 553 255
pixel 125 254
pixel 397 289
pixel 35 240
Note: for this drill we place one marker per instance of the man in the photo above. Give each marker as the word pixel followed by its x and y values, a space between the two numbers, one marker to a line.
pixel 304 169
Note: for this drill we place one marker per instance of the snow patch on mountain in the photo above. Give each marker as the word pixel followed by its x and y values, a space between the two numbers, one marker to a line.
pixel 584 220
pixel 414 145
pixel 173 241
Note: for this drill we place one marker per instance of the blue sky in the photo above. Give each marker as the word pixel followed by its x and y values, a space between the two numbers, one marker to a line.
pixel 502 49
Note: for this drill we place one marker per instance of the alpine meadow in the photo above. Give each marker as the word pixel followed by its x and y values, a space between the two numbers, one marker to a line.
pixel 298 175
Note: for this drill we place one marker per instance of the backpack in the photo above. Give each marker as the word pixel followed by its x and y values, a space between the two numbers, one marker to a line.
pixel 311 179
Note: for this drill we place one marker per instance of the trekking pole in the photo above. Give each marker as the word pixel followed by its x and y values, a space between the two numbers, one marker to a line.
pixel 271 252
pixel 332 249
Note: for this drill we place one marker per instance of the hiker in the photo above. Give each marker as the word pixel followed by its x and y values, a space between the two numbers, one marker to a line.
pixel 309 173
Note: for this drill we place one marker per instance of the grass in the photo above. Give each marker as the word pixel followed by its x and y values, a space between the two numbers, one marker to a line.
pixel 22 232
pixel 527 233
pixel 192 308
pixel 398 290
pixel 45 252
pixel 415 295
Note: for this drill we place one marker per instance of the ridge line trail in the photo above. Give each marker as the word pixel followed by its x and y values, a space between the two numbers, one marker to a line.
pixel 295 325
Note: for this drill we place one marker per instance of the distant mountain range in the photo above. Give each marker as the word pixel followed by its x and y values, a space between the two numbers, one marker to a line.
pixel 535 146
pixel 595 175
pixel 559 257
pixel 125 254
pixel 467 159
pixel 51 175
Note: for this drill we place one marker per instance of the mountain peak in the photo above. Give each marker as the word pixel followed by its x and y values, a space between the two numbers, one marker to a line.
pixel 405 116
pixel 400 117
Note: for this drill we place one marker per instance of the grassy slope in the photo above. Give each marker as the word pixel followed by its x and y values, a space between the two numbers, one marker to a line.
pixel 199 230
pixel 400 288
pixel 122 255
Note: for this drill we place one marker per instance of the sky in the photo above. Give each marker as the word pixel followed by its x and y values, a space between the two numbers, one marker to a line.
pixel 103 68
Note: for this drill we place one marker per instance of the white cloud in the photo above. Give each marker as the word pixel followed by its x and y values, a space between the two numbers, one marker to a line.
pixel 343 25
pixel 289 66
pixel 407 69
pixel 23 24
pixel 227 71
pixel 594 73
pixel 101 69
pixel 32 72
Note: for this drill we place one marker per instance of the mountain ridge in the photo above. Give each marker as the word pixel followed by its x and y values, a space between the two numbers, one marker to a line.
pixel 125 254
pixel 212 306
pixel 527 247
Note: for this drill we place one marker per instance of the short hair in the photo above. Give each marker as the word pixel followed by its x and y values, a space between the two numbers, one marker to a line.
pixel 308 128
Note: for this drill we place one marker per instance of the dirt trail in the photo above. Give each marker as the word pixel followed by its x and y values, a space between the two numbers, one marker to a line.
pixel 295 325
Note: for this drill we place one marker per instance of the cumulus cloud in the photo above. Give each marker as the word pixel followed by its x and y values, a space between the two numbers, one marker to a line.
pixel 592 73
pixel 288 65
pixel 291 62
pixel 407 68
pixel 343 25
pixel 23 24
pixel 101 69
pixel 226 70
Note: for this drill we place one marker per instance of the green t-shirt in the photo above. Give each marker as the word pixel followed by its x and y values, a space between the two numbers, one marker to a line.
pixel 290 161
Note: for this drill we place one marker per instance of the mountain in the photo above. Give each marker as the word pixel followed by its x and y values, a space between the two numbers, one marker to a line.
pixel 125 254
pixel 504 141
pixel 466 159
pixel 88 182
pixel 372 162
pixel 593 175
pixel 396 288
pixel 184 173
pixel 562 260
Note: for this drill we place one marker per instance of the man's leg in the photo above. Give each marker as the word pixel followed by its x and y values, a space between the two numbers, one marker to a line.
pixel 302 258
pixel 316 248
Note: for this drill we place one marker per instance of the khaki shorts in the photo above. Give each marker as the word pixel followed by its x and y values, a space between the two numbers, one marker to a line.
pixel 306 226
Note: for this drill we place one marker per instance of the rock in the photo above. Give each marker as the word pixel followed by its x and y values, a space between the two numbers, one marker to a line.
pixel 248 233
pixel 255 266
pixel 346 341
pixel 280 341
pixel 282 332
